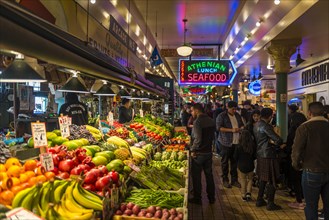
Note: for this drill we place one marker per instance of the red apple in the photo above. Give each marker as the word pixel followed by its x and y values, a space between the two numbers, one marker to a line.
pixel 103 169
pixel 114 176
pixel 97 172
pixel 86 167
pixel 100 193
pixel 90 178
pixel 64 175
pixel 55 170
pixel 90 187
pixel 55 159
pixel 66 165
pixel 102 182
pixel 76 171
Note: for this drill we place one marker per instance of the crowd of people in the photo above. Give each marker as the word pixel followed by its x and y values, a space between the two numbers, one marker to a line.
pixel 249 147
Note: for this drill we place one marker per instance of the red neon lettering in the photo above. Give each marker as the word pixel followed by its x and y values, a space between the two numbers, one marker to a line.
pixel 212 77
pixel 223 77
pixel 190 77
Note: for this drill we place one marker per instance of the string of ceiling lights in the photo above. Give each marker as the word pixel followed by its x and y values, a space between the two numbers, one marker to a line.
pixel 249 35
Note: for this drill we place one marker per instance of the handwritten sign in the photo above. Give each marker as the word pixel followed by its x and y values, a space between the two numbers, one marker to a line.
pixel 47 161
pixel 134 167
pixel 21 214
pixel 64 125
pixel 110 118
pixel 39 134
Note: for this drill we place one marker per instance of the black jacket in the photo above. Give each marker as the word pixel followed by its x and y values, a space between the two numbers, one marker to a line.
pixel 245 160
pixel 264 134
pixel 125 115
pixel 203 134
pixel 77 111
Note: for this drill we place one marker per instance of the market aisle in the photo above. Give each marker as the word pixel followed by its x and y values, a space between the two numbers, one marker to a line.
pixel 229 205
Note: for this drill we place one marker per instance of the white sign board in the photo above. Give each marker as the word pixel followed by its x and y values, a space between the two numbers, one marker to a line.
pixel 39 134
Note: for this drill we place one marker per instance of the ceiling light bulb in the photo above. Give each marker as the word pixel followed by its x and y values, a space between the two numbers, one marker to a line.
pixel 92 1
pixel 246 38
pixel 277 2
pixel 258 23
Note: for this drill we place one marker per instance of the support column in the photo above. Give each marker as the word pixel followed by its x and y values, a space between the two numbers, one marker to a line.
pixel 235 88
pixel 281 51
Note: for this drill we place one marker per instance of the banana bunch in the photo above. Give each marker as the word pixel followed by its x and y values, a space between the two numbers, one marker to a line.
pixel 119 142
pixel 138 154
pixel 97 134
pixel 59 199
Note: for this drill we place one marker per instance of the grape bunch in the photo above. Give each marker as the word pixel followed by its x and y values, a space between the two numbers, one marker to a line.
pixel 77 132
pixel 4 152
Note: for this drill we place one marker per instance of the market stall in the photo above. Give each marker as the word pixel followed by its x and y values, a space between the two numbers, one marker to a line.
pixel 133 171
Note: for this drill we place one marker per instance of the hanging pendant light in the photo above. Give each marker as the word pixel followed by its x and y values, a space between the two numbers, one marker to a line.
pixel 19 72
pixel 105 90
pixel 299 59
pixel 74 85
pixel 185 49
pixel 124 94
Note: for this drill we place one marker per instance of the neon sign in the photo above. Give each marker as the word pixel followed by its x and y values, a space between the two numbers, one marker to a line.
pixel 206 72
pixel 255 87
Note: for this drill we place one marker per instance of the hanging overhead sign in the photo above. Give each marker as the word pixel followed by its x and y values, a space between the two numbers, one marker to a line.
pixel 255 87
pixel 206 72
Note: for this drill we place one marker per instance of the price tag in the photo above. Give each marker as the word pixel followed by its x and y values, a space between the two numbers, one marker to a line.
pixel 39 134
pixel 47 161
pixel 21 214
pixel 134 167
pixel 64 125
pixel 110 118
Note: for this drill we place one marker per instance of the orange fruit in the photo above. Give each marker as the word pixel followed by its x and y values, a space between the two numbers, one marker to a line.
pixel 11 162
pixel 39 171
pixel 41 178
pixel 7 196
pixel 30 165
pixel 6 183
pixel 33 181
pixel 25 185
pixel 16 189
pixel 30 174
pixel 50 175
pixel 3 176
pixel 14 171
pixel 2 168
pixel 16 181
pixel 23 177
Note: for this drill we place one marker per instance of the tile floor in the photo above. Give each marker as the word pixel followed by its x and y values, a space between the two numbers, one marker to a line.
pixel 229 205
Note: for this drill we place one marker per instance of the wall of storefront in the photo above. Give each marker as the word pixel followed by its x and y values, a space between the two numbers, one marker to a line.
pixel 310 84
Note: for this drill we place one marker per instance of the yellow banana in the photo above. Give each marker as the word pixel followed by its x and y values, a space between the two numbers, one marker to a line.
pixel 66 214
pixel 60 190
pixel 44 198
pixel 27 201
pixel 20 196
pixel 69 202
pixel 86 200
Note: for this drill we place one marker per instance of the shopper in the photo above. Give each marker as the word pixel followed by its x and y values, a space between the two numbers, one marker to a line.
pixel 310 152
pixel 125 112
pixel 294 177
pixel 201 154
pixel 267 159
pixel 229 124
pixel 254 118
pixel 185 114
pixel 217 111
pixel 75 109
pixel 245 155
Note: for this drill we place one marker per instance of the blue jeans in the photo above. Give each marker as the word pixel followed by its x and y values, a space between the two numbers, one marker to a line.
pixel 314 185
pixel 202 162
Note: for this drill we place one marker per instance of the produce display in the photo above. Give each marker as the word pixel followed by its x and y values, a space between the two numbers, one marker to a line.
pixel 159 178
pixel 69 200
pixel 15 177
pixel 147 197
pixel 4 152
pixel 135 210
pixel 170 155
pixel 89 164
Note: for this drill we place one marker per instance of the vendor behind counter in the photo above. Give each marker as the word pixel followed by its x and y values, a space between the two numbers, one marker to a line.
pixel 75 109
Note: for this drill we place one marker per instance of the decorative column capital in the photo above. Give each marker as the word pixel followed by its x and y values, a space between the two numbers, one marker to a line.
pixel 281 51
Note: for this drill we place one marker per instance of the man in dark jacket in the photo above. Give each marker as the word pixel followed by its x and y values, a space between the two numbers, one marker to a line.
pixel 75 109
pixel 268 165
pixel 125 113
pixel 310 152
pixel 201 154
pixel 229 124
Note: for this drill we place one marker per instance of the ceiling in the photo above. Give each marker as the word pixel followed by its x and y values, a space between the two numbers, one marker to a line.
pixel 229 22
